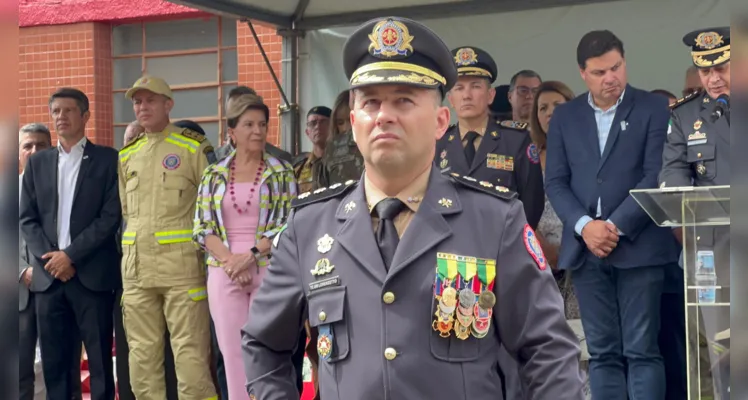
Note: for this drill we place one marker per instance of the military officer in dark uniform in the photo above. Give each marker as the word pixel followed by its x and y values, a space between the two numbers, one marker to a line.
pixel 499 152
pixel 697 153
pixel 425 319
pixel 309 167
pixel 342 159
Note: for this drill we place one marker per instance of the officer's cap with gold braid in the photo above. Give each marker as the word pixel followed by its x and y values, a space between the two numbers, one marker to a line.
pixel 394 50
pixel 709 47
pixel 472 61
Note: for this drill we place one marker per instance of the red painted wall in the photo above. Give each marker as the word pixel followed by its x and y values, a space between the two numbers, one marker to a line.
pixel 68 43
pixel 58 12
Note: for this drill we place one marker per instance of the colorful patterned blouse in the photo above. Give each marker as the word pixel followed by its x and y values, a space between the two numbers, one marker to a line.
pixel 277 189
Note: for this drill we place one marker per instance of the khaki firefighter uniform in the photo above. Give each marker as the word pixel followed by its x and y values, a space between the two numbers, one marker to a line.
pixel 163 273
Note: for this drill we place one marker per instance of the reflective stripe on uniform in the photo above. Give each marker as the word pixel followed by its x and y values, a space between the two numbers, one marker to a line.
pixel 125 153
pixel 168 237
pixel 181 141
pixel 211 398
pixel 198 294
pixel 128 238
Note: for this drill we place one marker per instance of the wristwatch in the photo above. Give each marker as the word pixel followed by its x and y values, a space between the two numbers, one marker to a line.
pixel 256 252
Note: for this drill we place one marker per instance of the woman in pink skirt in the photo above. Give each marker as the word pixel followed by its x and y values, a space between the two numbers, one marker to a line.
pixel 242 203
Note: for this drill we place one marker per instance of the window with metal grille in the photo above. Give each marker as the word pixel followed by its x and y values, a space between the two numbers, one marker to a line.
pixel 197 57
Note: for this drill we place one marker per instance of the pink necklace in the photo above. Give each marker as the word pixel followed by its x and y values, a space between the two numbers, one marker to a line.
pixel 260 169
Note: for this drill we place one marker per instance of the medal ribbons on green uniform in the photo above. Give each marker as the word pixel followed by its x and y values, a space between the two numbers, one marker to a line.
pixel 458 295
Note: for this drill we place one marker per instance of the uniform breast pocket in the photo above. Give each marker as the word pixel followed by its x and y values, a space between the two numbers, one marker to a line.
pixel 454 349
pixel 176 192
pixel 326 313
pixel 701 158
pixel 131 196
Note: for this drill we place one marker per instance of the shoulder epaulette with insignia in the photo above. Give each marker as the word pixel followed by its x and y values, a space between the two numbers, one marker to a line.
pixel 685 100
pixel 322 194
pixel 520 126
pixel 192 135
pixel 501 192
pixel 132 142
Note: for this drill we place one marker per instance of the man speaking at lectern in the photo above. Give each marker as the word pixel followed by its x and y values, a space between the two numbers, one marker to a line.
pixel 697 153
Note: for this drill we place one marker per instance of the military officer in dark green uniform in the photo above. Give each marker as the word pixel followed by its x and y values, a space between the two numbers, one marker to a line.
pixel 309 167
pixel 342 159
pixel 412 277
pixel 499 152
pixel 697 153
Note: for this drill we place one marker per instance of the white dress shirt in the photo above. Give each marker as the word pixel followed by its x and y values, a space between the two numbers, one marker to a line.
pixel 68 166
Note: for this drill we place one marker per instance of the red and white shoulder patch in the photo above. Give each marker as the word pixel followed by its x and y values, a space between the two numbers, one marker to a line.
pixel 533 247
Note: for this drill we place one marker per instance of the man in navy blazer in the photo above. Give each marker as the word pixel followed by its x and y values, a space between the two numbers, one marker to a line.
pixel 601 145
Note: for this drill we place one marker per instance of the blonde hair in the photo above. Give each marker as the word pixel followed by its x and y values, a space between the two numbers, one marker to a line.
pixel 242 104
pixel 343 100
pixel 537 133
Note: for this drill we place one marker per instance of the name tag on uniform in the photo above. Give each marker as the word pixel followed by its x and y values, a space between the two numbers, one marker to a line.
pixel 334 281
pixel 500 161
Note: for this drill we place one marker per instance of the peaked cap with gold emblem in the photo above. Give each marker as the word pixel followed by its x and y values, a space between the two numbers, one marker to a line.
pixel 394 50
pixel 472 61
pixel 709 47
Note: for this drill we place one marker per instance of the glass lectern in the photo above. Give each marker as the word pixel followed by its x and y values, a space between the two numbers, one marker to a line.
pixel 703 215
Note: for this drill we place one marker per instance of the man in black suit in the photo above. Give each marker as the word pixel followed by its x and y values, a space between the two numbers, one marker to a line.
pixel 71 240
pixel 33 138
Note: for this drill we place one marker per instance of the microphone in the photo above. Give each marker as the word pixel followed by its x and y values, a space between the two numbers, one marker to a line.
pixel 722 107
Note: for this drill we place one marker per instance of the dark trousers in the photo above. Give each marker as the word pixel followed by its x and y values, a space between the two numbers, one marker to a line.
pixel 27 337
pixel 61 308
pixel 123 355
pixel 297 359
pixel 620 311
pixel 220 378
pixel 672 338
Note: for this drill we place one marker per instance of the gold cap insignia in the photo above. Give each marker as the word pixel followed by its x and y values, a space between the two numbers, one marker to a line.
pixel 709 40
pixel 466 56
pixel 390 39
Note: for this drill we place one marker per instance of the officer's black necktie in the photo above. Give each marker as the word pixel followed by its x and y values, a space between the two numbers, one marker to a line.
pixel 470 146
pixel 387 238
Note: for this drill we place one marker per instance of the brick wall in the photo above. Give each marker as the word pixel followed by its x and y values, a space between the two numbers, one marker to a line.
pixel 254 73
pixel 77 55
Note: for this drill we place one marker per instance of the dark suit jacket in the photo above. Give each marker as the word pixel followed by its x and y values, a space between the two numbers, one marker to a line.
pixel 23 263
pixel 577 175
pixel 94 220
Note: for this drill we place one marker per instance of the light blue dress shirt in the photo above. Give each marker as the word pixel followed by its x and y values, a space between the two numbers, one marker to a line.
pixel 604 119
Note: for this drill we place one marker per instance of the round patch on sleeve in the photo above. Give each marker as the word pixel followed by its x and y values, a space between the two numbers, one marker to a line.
pixel 171 162
pixel 533 154
pixel 533 247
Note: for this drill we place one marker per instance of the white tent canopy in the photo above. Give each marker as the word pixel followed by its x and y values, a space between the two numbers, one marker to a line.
pixel 541 35
pixel 316 14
